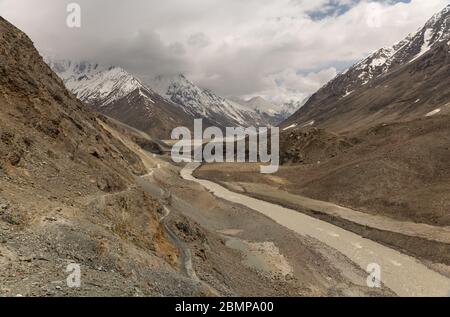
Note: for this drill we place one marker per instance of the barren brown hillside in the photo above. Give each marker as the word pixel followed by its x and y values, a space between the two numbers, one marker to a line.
pixel 67 192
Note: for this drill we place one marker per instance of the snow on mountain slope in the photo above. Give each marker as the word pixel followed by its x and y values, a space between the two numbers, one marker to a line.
pixel 288 108
pixel 101 86
pixel 118 94
pixel 401 82
pixel 261 105
pixel 94 84
pixel 415 45
pixel 203 103
pixel 271 113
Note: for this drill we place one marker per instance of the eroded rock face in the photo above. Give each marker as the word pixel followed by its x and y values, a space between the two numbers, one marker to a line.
pixel 45 127
pixel 67 188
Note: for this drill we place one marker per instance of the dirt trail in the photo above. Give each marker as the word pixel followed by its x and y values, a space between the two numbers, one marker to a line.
pixel 164 196
pixel 186 257
pixel 401 273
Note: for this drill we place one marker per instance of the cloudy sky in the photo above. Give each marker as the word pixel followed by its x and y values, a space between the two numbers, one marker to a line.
pixel 279 49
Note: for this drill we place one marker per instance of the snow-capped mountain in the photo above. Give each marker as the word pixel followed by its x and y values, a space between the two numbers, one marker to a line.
pixel 203 103
pixel 405 81
pixel 290 107
pixel 261 105
pixel 271 113
pixel 95 84
pixel 116 93
pixel 106 87
pixel 415 45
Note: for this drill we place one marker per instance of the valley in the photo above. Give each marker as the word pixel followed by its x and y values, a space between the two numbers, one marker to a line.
pixel 357 206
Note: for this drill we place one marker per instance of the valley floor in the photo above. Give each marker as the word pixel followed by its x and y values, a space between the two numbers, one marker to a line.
pixel 202 244
pixel 428 243
pixel 242 252
pixel 162 236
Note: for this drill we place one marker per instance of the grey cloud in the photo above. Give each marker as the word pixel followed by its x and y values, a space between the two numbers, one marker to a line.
pixel 144 54
pixel 199 40
pixel 177 48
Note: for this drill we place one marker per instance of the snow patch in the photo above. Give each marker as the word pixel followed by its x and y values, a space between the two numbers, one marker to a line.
pixel 427 36
pixel 290 127
pixel 432 113
pixel 348 93
pixel 145 96
pixel 309 124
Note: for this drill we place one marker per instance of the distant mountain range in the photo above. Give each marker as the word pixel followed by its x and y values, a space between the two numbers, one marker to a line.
pixel 204 103
pixel 118 94
pixel 166 102
pixel 408 80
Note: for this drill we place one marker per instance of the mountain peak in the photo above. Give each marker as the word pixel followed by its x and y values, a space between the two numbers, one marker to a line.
pixel 93 83
pixel 202 103
pixel 379 87
pixel 441 14
pixel 435 31
pixel 257 99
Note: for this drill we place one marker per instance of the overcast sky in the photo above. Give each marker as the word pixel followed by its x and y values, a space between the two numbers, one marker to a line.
pixel 279 49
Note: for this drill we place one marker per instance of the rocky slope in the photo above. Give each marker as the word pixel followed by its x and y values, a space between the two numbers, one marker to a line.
pixel 116 93
pixel 148 112
pixel 68 194
pixel 39 117
pixel 406 81
pixel 311 145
